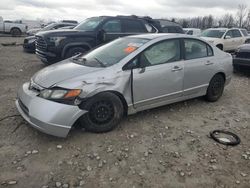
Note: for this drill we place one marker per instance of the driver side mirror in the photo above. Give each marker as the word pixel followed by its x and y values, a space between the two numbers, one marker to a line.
pixel 228 37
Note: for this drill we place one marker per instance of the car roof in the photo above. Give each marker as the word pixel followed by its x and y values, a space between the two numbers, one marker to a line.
pixel 160 35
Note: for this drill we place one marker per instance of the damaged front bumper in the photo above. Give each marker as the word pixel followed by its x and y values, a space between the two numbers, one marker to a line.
pixel 47 116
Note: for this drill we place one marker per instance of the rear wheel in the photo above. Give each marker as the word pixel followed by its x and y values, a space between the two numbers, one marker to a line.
pixel 105 111
pixel 74 51
pixel 15 32
pixel 215 88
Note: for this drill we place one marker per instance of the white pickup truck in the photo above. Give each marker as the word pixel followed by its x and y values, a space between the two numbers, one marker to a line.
pixel 226 39
pixel 15 29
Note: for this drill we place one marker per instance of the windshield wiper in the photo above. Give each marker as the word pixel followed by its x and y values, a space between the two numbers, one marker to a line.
pixel 101 63
pixel 79 59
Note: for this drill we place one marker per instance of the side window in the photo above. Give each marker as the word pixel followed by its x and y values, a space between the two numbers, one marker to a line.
pixel 244 32
pixel 195 49
pixel 236 33
pixel 112 26
pixel 163 52
pixel 133 26
pixel 150 28
pixel 229 33
pixel 58 26
pixel 165 30
pixel 172 30
pixel 209 51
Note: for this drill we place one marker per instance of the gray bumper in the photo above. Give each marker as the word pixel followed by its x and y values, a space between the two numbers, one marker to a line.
pixel 47 116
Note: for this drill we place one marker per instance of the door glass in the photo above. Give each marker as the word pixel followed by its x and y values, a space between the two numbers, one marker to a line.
pixel 163 52
pixel 133 26
pixel 236 33
pixel 195 49
pixel 230 33
pixel 112 26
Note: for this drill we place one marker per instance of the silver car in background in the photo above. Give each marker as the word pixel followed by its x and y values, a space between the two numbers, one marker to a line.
pixel 123 77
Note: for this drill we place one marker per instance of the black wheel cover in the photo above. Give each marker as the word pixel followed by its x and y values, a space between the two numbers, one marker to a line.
pixel 101 112
pixel 232 143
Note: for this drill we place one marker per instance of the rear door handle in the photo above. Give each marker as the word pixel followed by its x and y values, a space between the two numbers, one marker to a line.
pixel 209 63
pixel 176 68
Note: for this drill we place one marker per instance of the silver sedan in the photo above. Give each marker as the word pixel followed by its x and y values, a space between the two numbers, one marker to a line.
pixel 123 77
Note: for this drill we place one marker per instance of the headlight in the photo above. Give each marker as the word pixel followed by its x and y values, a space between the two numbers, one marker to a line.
pixel 56 40
pixel 60 94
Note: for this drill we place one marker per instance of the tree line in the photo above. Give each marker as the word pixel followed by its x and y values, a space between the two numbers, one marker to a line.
pixel 241 19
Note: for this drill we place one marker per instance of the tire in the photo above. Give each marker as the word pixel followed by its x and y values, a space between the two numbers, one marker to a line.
pixel 215 88
pixel 219 46
pixel 105 111
pixel 15 32
pixel 74 51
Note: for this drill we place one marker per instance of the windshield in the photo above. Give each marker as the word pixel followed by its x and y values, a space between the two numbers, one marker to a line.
pixel 111 53
pixel 89 24
pixel 213 33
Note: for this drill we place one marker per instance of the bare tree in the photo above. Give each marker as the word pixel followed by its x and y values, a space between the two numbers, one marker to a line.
pixel 227 21
pixel 241 14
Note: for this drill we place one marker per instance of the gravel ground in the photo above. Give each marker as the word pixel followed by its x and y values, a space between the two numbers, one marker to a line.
pixel 164 147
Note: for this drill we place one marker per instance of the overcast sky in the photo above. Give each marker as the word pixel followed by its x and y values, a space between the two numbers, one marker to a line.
pixel 81 9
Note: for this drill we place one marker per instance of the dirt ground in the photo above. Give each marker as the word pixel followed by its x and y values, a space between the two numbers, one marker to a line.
pixel 164 147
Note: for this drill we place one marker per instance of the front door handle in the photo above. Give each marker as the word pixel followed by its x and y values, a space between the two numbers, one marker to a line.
pixel 176 68
pixel 209 63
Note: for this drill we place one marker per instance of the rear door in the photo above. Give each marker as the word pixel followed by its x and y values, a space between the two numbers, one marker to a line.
pixel 238 38
pixel 133 26
pixel 160 76
pixel 199 66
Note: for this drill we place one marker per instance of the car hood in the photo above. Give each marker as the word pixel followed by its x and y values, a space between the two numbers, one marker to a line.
pixel 63 32
pixel 60 72
pixel 244 48
pixel 210 39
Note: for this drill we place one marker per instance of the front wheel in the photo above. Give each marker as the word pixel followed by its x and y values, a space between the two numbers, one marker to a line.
pixel 105 111
pixel 215 88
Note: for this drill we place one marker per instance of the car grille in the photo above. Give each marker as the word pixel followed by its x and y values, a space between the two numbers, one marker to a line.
pixel 243 55
pixel 41 43
pixel 23 107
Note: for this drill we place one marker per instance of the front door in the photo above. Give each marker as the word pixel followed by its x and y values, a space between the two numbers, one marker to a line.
pixel 160 76
pixel 112 30
pixel 229 42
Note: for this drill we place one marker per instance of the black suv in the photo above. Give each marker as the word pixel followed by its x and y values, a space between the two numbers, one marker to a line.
pixel 53 46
